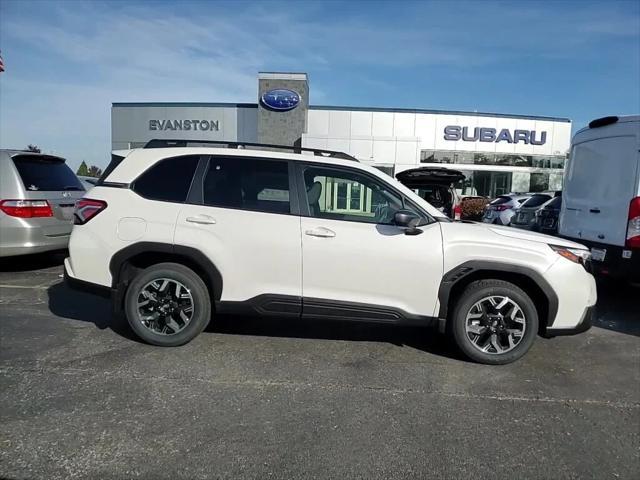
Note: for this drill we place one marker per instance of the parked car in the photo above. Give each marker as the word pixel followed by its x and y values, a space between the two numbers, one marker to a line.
pixel 547 216
pixel 177 236
pixel 37 199
pixel 525 215
pixel 601 198
pixel 435 185
pixel 501 210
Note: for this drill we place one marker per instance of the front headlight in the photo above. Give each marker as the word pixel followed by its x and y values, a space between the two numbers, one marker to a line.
pixel 576 255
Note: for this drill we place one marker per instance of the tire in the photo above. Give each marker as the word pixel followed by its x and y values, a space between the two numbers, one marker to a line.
pixel 491 328
pixel 174 320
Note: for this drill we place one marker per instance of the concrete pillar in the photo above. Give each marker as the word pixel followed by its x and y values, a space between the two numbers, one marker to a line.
pixel 277 126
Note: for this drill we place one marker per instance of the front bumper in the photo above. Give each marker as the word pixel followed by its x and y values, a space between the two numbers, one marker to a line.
pixel 583 325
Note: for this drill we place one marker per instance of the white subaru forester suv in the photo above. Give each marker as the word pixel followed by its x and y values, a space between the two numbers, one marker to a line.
pixel 179 234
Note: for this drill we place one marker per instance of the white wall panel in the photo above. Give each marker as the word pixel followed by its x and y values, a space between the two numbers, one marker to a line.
pixel 339 123
pixel 561 140
pixel 318 122
pixel 362 149
pixel 384 151
pixel 407 152
pixel 382 124
pixel 338 144
pixel 426 130
pixel 404 125
pixel 311 141
pixel 361 123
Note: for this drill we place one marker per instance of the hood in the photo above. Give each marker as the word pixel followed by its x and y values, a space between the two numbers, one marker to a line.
pixel 417 177
pixel 516 234
pixel 533 236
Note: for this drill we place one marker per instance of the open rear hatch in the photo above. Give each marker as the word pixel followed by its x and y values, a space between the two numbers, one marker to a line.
pixel 422 176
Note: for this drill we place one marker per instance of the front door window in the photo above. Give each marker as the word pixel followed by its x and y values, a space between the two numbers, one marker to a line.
pixel 345 195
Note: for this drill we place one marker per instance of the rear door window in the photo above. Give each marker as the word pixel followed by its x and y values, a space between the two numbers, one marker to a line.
pixel 168 180
pixel 44 173
pixel 259 185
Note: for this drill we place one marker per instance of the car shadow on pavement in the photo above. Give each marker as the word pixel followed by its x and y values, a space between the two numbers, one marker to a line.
pixel 618 307
pixel 67 303
pixel 38 261
pixel 420 338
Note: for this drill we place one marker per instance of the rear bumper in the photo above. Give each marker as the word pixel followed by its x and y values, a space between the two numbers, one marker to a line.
pixel 20 236
pixel 81 285
pixel 585 324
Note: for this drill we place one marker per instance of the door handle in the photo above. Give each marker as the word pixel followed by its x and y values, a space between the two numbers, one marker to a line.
pixel 201 219
pixel 320 232
pixel 594 210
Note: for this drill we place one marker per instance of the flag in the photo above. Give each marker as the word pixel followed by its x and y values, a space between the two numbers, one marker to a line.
pixel 1 63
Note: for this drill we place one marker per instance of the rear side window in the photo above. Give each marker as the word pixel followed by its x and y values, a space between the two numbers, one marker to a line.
pixel 536 200
pixel 555 203
pixel 42 173
pixel 168 180
pixel 248 184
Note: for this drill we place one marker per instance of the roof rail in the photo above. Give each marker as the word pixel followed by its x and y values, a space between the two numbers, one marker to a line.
pixel 162 143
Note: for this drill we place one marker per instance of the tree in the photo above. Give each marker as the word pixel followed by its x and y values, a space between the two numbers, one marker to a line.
pixel 94 171
pixel 33 148
pixel 83 171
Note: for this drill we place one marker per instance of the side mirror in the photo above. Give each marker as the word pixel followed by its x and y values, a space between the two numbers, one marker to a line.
pixel 408 220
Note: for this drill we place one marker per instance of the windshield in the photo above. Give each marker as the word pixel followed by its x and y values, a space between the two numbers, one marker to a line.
pixel 43 173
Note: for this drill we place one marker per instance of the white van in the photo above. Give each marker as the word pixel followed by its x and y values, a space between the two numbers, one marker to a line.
pixel 601 198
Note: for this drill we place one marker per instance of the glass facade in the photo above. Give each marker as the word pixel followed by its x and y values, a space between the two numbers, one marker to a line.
pixel 529 174
pixel 501 159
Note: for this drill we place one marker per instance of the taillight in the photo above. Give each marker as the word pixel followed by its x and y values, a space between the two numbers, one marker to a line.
pixel 500 208
pixel 633 227
pixel 86 209
pixel 26 208
pixel 457 212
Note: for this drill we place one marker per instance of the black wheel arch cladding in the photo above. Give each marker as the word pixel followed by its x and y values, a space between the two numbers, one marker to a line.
pixel 118 262
pixel 478 269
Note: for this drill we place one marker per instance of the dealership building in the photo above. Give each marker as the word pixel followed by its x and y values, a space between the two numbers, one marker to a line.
pixel 498 153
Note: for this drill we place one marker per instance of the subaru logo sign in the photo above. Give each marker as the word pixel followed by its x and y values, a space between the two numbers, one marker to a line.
pixel 280 99
pixel 528 137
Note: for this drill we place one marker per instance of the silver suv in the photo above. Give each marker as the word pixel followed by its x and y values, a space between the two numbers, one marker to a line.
pixel 37 199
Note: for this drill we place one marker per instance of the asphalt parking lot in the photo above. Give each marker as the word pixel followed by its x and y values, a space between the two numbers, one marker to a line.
pixel 256 398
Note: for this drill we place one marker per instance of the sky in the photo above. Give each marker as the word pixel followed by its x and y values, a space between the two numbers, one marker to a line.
pixel 67 62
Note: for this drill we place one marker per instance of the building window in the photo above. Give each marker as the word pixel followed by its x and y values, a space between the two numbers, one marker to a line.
pixel 502 159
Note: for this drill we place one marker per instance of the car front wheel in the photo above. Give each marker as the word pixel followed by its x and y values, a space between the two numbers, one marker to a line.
pixel 167 304
pixel 494 322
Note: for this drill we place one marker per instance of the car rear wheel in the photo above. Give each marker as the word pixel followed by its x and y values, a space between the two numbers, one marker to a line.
pixel 167 304
pixel 494 322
